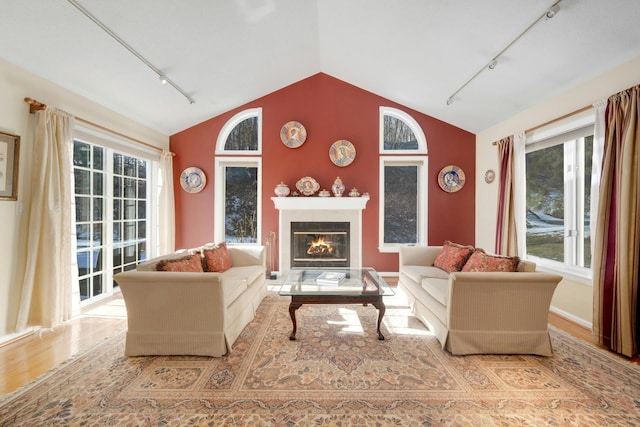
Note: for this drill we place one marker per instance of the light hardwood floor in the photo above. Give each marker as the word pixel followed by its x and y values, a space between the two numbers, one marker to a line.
pixel 26 359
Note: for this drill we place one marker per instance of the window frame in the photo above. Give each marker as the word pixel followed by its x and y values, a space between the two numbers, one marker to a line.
pixel 569 133
pixel 409 121
pixel 231 124
pixel 423 189
pixel 221 163
pixel 111 145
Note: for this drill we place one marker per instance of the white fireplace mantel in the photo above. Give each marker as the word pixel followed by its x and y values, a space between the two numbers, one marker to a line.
pixel 339 209
pixel 320 203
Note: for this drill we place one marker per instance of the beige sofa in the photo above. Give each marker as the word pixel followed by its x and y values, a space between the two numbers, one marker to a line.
pixel 185 313
pixel 479 312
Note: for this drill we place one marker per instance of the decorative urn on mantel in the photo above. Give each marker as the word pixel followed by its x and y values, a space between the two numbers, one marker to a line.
pixel 338 187
pixel 282 190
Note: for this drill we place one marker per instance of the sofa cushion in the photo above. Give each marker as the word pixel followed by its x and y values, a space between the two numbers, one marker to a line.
pixel 217 258
pixel 452 256
pixel 190 264
pixel 419 272
pixel 150 265
pixel 480 261
pixel 249 272
pixel 437 288
pixel 237 279
pixel 232 288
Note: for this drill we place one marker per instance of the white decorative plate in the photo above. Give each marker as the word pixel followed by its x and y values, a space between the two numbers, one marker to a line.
pixel 451 178
pixel 307 186
pixel 193 180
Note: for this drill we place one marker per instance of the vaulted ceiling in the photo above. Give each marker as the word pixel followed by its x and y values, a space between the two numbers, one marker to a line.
pixel 226 53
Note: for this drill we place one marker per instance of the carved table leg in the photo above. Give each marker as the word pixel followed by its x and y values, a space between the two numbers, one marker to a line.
pixel 292 312
pixel 381 309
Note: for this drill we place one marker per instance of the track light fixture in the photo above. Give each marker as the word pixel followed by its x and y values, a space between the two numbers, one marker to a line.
pixel 553 11
pixel 161 76
pixel 548 14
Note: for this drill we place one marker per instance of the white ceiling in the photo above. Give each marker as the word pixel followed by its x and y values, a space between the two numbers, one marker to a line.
pixel 226 53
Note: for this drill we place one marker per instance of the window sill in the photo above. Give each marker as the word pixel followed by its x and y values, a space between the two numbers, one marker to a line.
pixel 574 276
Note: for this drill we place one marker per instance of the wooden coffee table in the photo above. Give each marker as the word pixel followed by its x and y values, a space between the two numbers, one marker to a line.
pixel 360 286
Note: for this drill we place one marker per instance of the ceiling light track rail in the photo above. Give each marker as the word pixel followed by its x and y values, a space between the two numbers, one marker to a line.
pixel 548 14
pixel 163 78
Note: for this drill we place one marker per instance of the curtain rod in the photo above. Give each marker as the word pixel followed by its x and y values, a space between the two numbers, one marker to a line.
pixel 578 111
pixel 37 106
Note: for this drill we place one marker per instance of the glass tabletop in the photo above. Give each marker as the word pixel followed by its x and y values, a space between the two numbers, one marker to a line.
pixel 334 281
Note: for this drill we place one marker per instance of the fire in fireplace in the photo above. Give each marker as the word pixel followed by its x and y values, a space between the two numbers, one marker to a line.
pixel 320 244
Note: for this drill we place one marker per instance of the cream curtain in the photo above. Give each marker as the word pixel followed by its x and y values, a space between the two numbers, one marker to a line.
pixel 166 205
pixel 616 257
pixel 50 275
pixel 506 239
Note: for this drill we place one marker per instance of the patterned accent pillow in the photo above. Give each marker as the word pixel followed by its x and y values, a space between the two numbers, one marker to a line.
pixel 217 258
pixel 483 262
pixel 452 256
pixel 191 264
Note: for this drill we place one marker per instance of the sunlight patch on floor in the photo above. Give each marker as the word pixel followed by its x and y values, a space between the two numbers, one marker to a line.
pixel 115 309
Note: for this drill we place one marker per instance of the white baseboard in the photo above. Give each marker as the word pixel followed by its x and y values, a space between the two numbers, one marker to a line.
pixel 8 339
pixel 571 317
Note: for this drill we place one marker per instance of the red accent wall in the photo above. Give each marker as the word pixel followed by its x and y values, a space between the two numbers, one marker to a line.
pixel 330 109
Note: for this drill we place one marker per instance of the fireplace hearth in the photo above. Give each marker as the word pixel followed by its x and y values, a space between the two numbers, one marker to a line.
pixel 320 244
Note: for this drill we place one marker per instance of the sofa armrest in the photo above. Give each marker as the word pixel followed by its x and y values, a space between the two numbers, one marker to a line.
pixel 418 255
pixel 171 301
pixel 242 256
pixel 506 301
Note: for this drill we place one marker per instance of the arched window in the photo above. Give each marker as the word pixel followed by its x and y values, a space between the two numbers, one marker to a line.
pixel 403 181
pixel 242 134
pixel 238 180
pixel 400 133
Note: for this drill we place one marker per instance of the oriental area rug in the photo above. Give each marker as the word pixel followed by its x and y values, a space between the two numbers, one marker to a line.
pixel 337 373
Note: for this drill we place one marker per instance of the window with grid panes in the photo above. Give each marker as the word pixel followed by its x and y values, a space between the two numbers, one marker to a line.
pixel 112 200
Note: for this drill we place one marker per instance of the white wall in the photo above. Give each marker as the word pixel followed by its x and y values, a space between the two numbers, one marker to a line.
pixel 571 299
pixel 15 85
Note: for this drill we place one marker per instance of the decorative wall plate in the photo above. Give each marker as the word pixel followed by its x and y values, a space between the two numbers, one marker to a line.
pixel 307 186
pixel 451 178
pixel 193 180
pixel 342 153
pixel 489 176
pixel 293 134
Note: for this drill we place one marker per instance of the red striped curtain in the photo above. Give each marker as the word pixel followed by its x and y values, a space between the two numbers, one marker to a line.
pixel 616 257
pixel 506 239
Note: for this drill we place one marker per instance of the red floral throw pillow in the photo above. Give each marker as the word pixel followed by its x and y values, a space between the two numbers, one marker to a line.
pixel 217 258
pixel 452 257
pixel 483 262
pixel 191 264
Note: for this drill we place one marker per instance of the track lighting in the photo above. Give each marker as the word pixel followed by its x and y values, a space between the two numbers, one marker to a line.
pixel 553 11
pixel 163 79
pixel 548 14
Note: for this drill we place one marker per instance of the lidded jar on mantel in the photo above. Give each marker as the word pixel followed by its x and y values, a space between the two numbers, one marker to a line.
pixel 338 187
pixel 282 190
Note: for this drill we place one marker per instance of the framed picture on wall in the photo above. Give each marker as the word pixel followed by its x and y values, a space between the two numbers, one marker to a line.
pixel 9 160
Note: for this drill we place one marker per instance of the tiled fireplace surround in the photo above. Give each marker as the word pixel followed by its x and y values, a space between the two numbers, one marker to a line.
pixel 320 209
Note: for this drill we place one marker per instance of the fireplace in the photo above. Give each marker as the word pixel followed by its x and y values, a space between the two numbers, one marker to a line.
pixel 320 244
pixel 319 209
